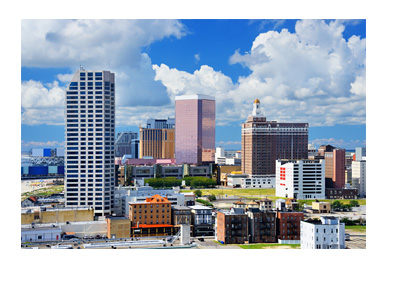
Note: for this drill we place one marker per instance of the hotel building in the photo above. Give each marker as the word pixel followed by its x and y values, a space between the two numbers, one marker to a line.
pixel 263 142
pixel 194 129
pixel 89 141
pixel 157 143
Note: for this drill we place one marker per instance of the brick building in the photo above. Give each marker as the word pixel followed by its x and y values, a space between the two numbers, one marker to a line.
pixel 341 193
pixel 263 142
pixel 232 226
pixel 118 227
pixel 288 225
pixel 152 217
pixel 261 226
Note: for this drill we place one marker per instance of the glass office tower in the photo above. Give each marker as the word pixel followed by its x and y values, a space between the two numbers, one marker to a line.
pixel 89 141
pixel 194 129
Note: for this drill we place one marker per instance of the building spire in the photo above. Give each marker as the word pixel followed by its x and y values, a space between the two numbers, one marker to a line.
pixel 256 108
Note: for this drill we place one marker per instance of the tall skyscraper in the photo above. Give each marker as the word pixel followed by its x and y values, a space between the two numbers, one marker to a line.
pixel 89 141
pixel 194 129
pixel 263 142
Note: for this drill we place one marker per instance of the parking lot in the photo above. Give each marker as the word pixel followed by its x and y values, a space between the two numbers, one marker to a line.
pixel 358 240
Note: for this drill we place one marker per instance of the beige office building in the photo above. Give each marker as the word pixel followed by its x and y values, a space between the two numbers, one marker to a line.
pixel 157 143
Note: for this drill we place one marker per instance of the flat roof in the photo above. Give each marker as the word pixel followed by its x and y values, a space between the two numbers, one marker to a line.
pixel 197 207
pixel 194 96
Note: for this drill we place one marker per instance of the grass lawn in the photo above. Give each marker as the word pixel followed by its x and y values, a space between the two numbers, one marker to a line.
pixel 239 192
pixel 269 245
pixel 357 228
pixel 43 192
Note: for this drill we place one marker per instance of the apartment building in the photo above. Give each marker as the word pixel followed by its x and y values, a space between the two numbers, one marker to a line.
pixel 328 233
pixel 261 226
pixel 231 226
pixel 288 226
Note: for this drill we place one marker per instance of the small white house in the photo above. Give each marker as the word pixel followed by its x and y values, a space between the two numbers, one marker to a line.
pixel 328 233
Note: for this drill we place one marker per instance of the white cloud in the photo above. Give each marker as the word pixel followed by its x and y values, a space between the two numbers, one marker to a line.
pixel 349 145
pixel 313 75
pixel 42 104
pixel 35 144
pixel 114 45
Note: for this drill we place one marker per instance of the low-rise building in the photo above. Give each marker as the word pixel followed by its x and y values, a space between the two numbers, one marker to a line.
pixel 118 227
pixel 152 217
pixel 258 182
pixel 288 226
pixel 341 193
pixel 202 221
pixel 181 215
pixel 54 215
pixel 265 204
pixel 321 207
pixel 261 226
pixel 41 234
pixel 328 233
pixel 239 204
pixel 232 226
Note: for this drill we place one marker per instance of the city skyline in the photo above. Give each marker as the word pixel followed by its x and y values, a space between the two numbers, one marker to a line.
pixel 236 61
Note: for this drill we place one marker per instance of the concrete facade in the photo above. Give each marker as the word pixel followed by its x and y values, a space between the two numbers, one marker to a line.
pixel 328 233
pixel 300 179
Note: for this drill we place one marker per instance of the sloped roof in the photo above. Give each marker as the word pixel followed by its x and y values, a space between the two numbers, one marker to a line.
pixel 157 199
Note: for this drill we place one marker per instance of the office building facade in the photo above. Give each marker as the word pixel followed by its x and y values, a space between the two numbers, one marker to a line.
pixel 194 129
pixel 157 143
pixel 160 123
pixel 359 177
pixel 300 179
pixel 89 141
pixel 263 142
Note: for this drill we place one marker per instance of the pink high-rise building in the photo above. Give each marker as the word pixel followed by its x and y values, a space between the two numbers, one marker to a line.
pixel 194 129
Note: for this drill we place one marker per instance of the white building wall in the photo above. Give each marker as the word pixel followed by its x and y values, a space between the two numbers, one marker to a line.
pixel 258 182
pixel 321 236
pixel 300 179
pixel 40 235
pixel 359 177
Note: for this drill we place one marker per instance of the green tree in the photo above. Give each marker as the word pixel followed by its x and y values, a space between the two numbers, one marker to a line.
pixel 354 203
pixel 337 205
pixel 211 198
pixel 198 193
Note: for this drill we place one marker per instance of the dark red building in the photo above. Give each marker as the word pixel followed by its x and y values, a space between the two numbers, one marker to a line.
pixel 288 225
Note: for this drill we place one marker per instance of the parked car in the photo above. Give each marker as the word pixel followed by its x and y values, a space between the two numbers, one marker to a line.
pixel 346 237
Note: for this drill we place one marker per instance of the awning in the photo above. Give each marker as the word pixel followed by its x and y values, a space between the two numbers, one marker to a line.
pixel 70 233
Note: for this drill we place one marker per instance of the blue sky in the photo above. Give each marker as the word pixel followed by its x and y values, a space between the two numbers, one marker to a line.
pixel 302 71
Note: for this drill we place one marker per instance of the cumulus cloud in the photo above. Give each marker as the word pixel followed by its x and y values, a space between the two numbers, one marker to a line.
pixel 42 104
pixel 115 45
pixel 313 75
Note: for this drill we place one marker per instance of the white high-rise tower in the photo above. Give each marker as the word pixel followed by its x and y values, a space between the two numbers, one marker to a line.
pixel 89 141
